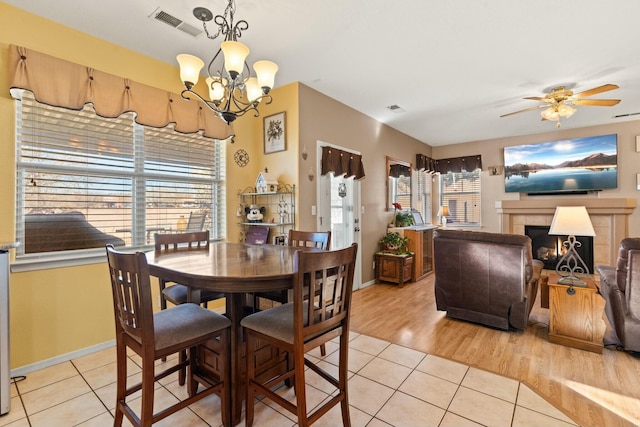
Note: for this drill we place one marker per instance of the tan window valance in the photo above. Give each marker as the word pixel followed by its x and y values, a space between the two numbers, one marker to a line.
pixel 341 163
pixel 61 83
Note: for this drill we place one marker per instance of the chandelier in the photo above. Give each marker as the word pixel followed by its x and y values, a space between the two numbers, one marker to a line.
pixel 232 90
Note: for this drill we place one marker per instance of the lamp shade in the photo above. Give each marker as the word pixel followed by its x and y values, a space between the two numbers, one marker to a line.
pixel 190 67
pixel 253 90
pixel 565 110
pixel 266 72
pixel 571 221
pixel 550 114
pixel 235 53
pixel 443 211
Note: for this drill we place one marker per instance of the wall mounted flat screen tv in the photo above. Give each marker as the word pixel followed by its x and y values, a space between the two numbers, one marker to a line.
pixel 565 166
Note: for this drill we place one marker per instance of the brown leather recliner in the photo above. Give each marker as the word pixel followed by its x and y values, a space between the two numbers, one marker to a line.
pixel 620 287
pixel 487 278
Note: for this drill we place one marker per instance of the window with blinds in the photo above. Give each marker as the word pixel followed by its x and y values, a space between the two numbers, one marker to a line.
pixel 423 192
pixel 84 181
pixel 461 192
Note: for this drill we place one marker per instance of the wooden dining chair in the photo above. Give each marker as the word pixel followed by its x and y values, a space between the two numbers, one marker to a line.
pixel 153 336
pixel 320 311
pixel 303 239
pixel 177 293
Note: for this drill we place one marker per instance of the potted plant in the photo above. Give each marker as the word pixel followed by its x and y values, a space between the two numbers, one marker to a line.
pixel 400 218
pixel 394 243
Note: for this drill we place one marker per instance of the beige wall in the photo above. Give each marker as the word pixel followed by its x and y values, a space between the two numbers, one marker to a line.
pixel 324 119
pixel 492 155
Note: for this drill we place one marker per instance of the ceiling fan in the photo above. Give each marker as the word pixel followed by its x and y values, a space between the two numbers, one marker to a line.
pixel 558 103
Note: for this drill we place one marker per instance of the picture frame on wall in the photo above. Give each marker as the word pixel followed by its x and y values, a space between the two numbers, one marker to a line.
pixel 275 133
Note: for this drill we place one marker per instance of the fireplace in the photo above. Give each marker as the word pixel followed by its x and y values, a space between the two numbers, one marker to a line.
pixel 549 249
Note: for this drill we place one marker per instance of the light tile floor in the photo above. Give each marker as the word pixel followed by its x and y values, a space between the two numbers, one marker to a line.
pixel 389 385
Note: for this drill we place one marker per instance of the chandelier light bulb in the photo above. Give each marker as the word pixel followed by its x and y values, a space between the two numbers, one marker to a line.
pixel 216 88
pixel 190 67
pixel 253 90
pixel 266 72
pixel 235 54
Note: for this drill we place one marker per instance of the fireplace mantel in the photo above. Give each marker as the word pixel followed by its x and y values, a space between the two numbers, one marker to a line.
pixel 610 218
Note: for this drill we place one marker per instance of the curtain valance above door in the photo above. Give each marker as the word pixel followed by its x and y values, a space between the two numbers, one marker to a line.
pixel 341 163
pixel 61 83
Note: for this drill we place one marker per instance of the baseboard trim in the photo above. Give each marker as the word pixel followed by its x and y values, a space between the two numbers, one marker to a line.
pixel 24 370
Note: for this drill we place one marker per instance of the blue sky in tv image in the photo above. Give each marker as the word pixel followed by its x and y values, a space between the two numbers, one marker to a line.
pixel 566 165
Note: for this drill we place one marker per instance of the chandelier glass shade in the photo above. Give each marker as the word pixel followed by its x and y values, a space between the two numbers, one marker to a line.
pixel 233 91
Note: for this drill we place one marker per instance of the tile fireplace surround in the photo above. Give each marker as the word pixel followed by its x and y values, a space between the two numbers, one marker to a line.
pixel 610 218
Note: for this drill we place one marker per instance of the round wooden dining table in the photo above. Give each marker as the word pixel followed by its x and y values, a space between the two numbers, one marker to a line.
pixel 235 269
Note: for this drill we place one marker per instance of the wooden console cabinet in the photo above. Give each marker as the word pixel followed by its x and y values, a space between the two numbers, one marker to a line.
pixel 576 320
pixel 394 268
pixel 421 244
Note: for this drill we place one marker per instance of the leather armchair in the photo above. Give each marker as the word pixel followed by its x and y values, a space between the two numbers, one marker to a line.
pixel 487 278
pixel 620 287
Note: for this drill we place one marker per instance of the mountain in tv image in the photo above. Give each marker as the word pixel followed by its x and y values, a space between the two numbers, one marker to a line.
pixel 568 165
pixel 595 161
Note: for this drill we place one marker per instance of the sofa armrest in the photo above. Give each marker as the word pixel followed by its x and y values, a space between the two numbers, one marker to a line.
pixel 607 276
pixel 537 269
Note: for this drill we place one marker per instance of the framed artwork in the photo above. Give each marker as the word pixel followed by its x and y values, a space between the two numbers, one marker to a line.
pixel 274 133
pixel 495 170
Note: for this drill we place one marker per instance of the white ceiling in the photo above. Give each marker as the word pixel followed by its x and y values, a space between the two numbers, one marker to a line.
pixel 455 66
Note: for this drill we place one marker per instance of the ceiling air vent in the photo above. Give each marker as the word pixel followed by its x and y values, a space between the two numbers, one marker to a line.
pixel 619 116
pixel 164 16
pixel 396 108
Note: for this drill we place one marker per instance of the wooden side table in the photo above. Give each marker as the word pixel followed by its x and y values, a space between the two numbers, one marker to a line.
pixel 394 268
pixel 576 320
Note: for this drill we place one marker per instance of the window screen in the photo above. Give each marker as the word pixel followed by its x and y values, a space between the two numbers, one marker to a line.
pixel 84 180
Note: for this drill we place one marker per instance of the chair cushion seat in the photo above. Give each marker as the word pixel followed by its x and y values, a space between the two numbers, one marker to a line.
pixel 276 322
pixel 177 294
pixel 184 323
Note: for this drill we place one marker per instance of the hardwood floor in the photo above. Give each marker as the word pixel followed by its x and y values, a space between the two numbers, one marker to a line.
pixel 592 389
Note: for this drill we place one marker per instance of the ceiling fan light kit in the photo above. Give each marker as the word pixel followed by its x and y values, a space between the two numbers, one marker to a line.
pixel 232 90
pixel 560 101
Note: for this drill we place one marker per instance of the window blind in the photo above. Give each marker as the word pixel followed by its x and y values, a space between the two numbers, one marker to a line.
pixel 460 191
pixel 84 180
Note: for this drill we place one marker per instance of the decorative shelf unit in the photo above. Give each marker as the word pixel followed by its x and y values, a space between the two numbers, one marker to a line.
pixel 421 244
pixel 279 215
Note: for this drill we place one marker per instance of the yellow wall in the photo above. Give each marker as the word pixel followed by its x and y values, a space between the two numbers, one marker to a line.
pixel 249 137
pixel 58 311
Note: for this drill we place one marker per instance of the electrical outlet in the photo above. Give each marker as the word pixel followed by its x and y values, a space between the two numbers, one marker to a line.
pixel 374 265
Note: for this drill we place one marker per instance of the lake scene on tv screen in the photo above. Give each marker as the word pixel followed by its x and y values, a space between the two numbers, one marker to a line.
pixel 579 164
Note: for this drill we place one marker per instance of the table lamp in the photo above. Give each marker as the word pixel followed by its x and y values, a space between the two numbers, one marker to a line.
pixel 571 221
pixel 443 213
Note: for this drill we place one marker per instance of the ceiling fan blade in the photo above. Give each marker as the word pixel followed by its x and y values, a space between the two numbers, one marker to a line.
pixel 535 98
pixel 596 102
pixel 595 90
pixel 522 111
